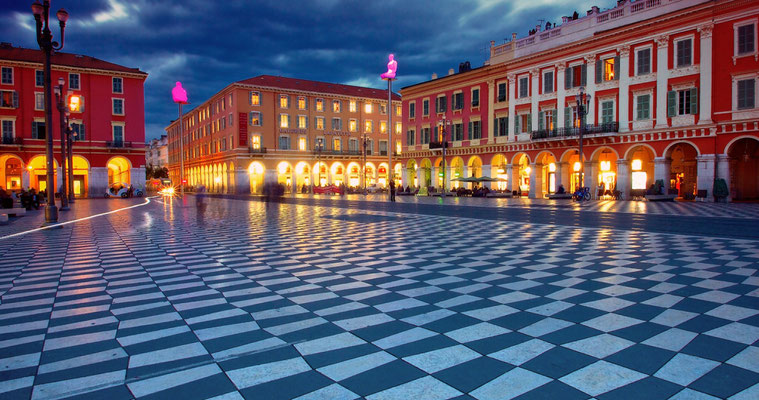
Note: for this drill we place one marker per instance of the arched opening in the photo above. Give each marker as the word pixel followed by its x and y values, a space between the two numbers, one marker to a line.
pixel 457 171
pixel 285 175
pixel 11 171
pixel 499 168
pixel 256 176
pixel 744 164
pixel 641 160
pixel 606 160
pixel 80 182
pixel 426 166
pixel 397 175
pixel 303 176
pixel 411 168
pixel 338 174
pixel 37 168
pixel 354 175
pixel 522 170
pixel 118 171
pixel 683 170
pixel 546 174
pixel 371 174
pixel 571 161
pixel 322 174
pixel 382 175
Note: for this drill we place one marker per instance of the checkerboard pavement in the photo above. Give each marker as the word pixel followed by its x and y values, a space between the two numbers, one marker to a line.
pixel 282 301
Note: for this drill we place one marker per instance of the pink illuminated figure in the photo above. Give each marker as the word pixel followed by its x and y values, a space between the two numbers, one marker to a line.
pixel 392 67
pixel 179 94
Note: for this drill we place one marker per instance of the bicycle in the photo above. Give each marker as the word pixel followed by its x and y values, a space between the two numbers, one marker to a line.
pixel 581 194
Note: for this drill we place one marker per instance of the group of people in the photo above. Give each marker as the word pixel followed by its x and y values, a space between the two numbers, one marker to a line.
pixel 28 199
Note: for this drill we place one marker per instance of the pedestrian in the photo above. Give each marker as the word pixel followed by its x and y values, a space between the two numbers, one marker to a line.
pixel 200 202
pixel 392 190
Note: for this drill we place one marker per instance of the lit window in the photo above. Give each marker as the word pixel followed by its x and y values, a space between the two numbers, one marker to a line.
pixel 319 105
pixel 551 167
pixel 577 166
pixel 398 147
pixel 637 165
pixel 398 128
pixel 302 122
pixel 255 118
pixel 336 106
pixel 320 123
pixel 352 125
pixel 608 69
pixel 256 142
pixel 368 126
pixel 284 121
pixel 383 127
pixel 639 180
pixel 336 144
pixel 255 98
pixel 605 165
pixel 398 111
pixel 368 108
pixel 352 106
pixel 301 103
pixel 284 101
pixel 302 144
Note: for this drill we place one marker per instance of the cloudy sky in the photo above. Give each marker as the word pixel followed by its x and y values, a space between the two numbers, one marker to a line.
pixel 208 44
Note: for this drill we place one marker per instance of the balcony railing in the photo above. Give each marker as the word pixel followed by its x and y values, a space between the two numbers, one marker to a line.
pixel 12 140
pixel 117 144
pixel 439 145
pixel 258 150
pixel 560 133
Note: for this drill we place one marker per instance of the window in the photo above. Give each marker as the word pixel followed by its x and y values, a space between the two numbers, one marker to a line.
pixel 302 144
pixel 118 133
pixel 368 108
pixel 352 125
pixel 441 104
pixel 284 121
pixel 426 107
pixel 118 106
pixel 73 81
pixel 6 76
pixel 368 126
pixel 475 131
pixel 337 124
pixel 575 76
pixel 412 110
pixel 643 61
pixel 607 112
pixel 319 123
pixel 383 126
pixel 337 144
pixel 39 101
pixel 383 109
pixel 410 138
pixel 457 132
pixel 8 129
pixel 609 69
pixel 457 101
pixel 398 111
pixel 548 82
pixel 643 107
pixel 255 98
pixel 524 87
pixel 302 103
pixel 38 130
pixel 353 145
pixel 398 128
pixel 254 118
pixel 255 142
pixel 231 120
pixel 118 85
pixel 302 122
pixel 284 142
pixel 546 120
pixel 501 126
pixel 425 135
pixel 8 98
pixel 336 106
pixel 475 97
pixel 319 105
pixel 352 106
pixel 746 94
pixel 746 39
pixel 523 123
pixel 284 101
pixel 39 78
pixel 682 102
pixel 684 52
pixel 502 91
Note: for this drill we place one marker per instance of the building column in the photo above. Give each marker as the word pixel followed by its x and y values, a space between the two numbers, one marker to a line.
pixel 404 177
pixel 137 177
pixel 512 134
pixel 534 97
pixel 58 182
pixel 705 77
pixel 293 181
pixel 487 171
pixel 661 170
pixel 590 88
pixel 491 111
pixel 662 77
pixel 623 111
pixel 560 95
pixel 242 181
pixel 723 172
pixel 536 181
pixel 98 181
pixel 509 177
pixel 559 174
pixel 448 177
pixel 591 177
pixel 434 177
pixel 624 185
pixel 705 174
pixel 419 177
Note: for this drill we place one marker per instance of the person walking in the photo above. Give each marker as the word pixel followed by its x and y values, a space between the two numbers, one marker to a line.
pixel 392 190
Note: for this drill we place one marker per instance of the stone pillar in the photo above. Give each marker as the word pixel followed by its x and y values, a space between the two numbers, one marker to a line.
pixel 491 112
pixel 510 177
pixel 404 177
pixel 705 78
pixel 723 172
pixel 419 177
pixel 662 76
pixel 434 177
pixel 534 97
pixel 98 181
pixel 464 174
pixel 512 89
pixel 293 181
pixel 270 176
pixel 25 179
pixel 560 95
pixel 559 175
pixel 624 185
pixel 705 174
pixel 661 170
pixel 487 171
pixel 591 88
pixel 58 181
pixel 535 185
pixel 623 112
pixel 242 181
pixel 137 177
pixel 448 178
pixel 591 177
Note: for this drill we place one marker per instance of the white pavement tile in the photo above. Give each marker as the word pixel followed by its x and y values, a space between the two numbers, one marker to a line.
pixel 684 369
pixel 166 355
pixel 509 385
pixel 550 308
pixel 250 347
pixel 601 377
pixel 751 393
pixel 664 301
pixel 732 313
pixel 523 352
pixel 400 305
pixel 736 332
pixel 351 324
pixel 295 326
pixel 513 297
pixel 401 338
pixel 746 359
pixel 20 361
pixel 611 322
pixel 426 318
pixel 600 346
pixel 609 304
pixel 226 330
pixel 329 343
pixel 15 384
pixel 673 339
pixel 426 388
pixel 84 360
pixel 690 394
pixel 228 396
pixel 673 318
pixel 61 389
pixel 476 332
pixel 258 374
pixel 438 360
pixel 77 340
pixel 346 369
pixel 149 386
pixel 331 392
pixel 278 312
pixel 488 313
pixel 545 326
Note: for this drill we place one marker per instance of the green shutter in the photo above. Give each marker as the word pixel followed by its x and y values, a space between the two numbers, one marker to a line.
pixel 469 131
pixel 617 68
pixel 516 124
pixel 694 101
pixel 568 78
pixel 15 99
pixel 540 120
pixel 567 117
pixel 529 123
pixel 584 75
pixel 495 127
pixel 599 71
pixel 671 103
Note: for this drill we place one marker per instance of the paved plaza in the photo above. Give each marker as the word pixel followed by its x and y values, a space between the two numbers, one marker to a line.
pixel 325 298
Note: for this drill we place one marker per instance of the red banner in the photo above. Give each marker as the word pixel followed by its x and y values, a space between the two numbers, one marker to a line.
pixel 242 122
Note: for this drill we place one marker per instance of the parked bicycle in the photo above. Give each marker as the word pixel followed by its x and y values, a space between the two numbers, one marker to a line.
pixel 581 194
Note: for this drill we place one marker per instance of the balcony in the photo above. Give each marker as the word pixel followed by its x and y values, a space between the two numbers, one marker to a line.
pixel 562 133
pixel 439 145
pixel 257 150
pixel 117 144
pixel 12 140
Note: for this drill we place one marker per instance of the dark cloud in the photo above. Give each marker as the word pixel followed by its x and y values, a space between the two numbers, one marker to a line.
pixel 209 44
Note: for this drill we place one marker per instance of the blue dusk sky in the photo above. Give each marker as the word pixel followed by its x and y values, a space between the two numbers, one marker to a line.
pixel 208 44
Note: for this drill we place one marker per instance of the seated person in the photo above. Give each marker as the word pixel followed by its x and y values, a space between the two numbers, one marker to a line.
pixel 561 190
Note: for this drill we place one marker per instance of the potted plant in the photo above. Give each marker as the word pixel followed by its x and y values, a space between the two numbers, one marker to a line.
pixel 720 190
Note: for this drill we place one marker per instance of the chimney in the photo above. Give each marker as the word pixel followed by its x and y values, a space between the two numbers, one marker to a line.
pixel 450 72
pixel 513 36
pixel 434 76
pixel 595 9
pixel 564 19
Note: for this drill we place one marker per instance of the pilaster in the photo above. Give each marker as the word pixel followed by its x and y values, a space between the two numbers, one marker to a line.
pixel 705 77
pixel 662 77
pixel 623 110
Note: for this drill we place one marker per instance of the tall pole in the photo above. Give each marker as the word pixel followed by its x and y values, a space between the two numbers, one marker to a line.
pixel 364 166
pixel 69 144
pixel 582 157
pixel 445 189
pixel 62 111
pixel 181 154
pixel 390 169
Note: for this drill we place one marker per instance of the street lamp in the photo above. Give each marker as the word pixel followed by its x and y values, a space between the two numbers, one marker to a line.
pixel 61 105
pixel 583 100
pixel 444 125
pixel 74 106
pixel 364 166
pixel 47 45
pixel 179 95
pixel 389 76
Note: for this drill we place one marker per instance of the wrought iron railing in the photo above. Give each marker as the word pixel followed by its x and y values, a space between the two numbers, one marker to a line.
pixel 12 140
pixel 607 127
pixel 258 150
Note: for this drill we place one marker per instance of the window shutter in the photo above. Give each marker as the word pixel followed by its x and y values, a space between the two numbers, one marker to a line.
pixel 437 104
pixel 82 134
pixel 289 120
pixel 495 127
pixel 260 119
pixel 540 120
pixel 671 103
pixel 444 100
pixel 599 70
pixel 584 75
pixel 505 126
pixel 567 117
pixel 617 68
pixel 250 118
pixel 516 125
pixel 15 99
pixel 694 101
pixel 568 78
pixel 529 123
pixel 250 98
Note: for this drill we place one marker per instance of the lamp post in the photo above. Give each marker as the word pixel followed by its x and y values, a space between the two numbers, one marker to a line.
pixel 389 76
pixel 319 147
pixel 363 168
pixel 583 99
pixel 47 45
pixel 179 95
pixel 61 105
pixel 444 125
pixel 74 104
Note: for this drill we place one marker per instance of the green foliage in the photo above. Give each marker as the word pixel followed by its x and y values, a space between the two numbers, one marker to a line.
pixel 720 188
pixel 659 186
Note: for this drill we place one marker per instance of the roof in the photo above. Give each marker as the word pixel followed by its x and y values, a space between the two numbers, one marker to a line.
pixel 454 75
pixel 8 52
pixel 281 82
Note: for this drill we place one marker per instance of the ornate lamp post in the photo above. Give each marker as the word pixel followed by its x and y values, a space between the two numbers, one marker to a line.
pixel 389 76
pixel 61 105
pixel 74 104
pixel 47 45
pixel 583 99
pixel 444 125
pixel 363 168
pixel 319 147
pixel 179 95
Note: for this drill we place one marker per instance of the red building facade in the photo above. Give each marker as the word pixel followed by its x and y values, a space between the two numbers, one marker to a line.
pixel 110 126
pixel 673 88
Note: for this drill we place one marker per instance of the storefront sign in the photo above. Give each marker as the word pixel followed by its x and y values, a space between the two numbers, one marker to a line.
pixel 242 122
pixel 337 133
